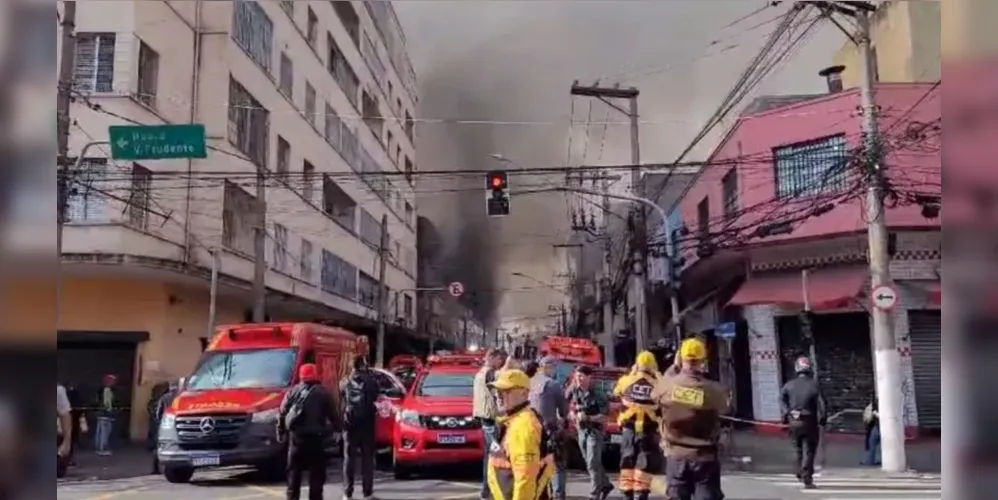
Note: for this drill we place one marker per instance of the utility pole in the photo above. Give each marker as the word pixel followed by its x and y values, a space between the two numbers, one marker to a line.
pixel 606 281
pixel 63 121
pixel 639 277
pixel 464 318
pixel 888 362
pixel 260 248
pixel 379 357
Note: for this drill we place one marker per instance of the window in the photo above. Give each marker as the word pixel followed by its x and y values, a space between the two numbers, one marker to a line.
pixel 289 7
pixel 341 70
pixel 407 308
pixel 409 126
pixel 249 124
pixel 337 204
pixel 308 181
pixel 254 32
pixel 371 114
pixel 312 29
pixel 367 290
pixel 388 387
pixel 338 276
pixel 370 228
pixel 332 127
pixel 351 21
pixel 83 203
pixel 238 218
pixel 138 200
pixel 305 260
pixel 447 384
pixel 283 158
pixel 280 247
pixel 410 170
pixel 410 214
pixel 148 78
pixel 287 82
pixel 244 369
pixel 93 68
pixel 703 221
pixel 812 167
pixel 310 103
pixel 369 52
pixel 729 192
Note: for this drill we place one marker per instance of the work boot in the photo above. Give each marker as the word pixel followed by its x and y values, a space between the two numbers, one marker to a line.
pixel 605 492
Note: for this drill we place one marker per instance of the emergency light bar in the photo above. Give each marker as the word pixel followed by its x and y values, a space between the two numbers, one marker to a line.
pixel 454 359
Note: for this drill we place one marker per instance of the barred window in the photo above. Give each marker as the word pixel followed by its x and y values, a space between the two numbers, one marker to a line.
pixel 338 276
pixel 93 67
pixel 249 123
pixel 305 260
pixel 86 200
pixel 729 188
pixel 138 205
pixel 280 247
pixel 253 31
pixel 812 167
pixel 367 290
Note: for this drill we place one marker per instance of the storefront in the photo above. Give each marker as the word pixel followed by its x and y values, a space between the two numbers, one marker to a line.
pixel 925 335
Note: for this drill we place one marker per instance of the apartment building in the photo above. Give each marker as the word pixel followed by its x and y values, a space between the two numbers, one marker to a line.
pixel 307 108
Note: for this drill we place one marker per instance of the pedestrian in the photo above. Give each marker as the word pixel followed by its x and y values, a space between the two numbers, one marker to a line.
pixel 485 408
pixel 107 409
pixel 547 398
pixel 804 413
pixel 79 419
pixel 691 407
pixel 640 454
pixel 871 417
pixel 360 397
pixel 522 442
pixel 164 402
pixel 590 410
pixel 305 419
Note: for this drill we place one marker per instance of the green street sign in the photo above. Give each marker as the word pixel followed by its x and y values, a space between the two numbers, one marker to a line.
pixel 157 142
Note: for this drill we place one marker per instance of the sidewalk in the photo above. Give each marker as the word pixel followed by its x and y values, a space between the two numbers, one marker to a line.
pixel 128 462
pixel 776 453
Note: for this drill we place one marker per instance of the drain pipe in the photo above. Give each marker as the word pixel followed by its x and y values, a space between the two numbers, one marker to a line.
pixel 192 116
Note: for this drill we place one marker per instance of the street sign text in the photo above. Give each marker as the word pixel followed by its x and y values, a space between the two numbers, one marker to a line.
pixel 157 142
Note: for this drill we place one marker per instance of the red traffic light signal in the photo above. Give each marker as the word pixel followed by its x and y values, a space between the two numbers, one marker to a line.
pixel 496 181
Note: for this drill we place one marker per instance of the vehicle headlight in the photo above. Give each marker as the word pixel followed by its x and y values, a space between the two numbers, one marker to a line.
pixel 266 416
pixel 168 422
pixel 407 417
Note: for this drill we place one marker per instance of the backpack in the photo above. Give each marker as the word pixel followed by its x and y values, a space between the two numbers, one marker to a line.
pixel 297 407
pixel 360 403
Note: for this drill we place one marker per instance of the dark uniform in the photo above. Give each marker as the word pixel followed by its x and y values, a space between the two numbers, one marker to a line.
pixel 307 417
pixel 804 413
pixel 640 454
pixel 590 403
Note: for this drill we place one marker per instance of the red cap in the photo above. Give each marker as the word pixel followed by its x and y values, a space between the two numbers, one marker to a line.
pixel 308 373
pixel 110 379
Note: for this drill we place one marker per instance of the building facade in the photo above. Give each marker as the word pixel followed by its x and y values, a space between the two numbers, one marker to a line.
pixel 776 241
pixel 307 108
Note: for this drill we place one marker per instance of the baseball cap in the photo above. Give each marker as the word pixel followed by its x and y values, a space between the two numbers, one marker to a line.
pixel 511 379
pixel 308 372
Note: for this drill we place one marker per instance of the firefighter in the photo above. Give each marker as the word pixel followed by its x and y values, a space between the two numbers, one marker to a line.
pixel 691 408
pixel 640 454
pixel 521 462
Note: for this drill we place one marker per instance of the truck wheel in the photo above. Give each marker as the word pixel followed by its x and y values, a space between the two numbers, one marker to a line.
pixel 176 474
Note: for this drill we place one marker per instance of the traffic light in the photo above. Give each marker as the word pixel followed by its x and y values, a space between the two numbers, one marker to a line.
pixel 496 194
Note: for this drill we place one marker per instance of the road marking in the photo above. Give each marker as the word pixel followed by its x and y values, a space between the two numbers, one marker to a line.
pixel 873 491
pixel 462 485
pixel 115 494
pixel 266 491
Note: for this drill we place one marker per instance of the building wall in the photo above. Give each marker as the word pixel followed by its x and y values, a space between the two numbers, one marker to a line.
pixel 748 148
pixel 907 38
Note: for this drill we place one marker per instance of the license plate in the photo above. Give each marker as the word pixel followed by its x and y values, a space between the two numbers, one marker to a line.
pixel 445 439
pixel 205 461
pixel 615 439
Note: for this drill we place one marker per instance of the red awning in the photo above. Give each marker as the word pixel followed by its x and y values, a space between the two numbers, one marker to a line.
pixel 829 288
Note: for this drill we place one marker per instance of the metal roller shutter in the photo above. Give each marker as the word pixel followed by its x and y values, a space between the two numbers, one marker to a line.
pixel 926 364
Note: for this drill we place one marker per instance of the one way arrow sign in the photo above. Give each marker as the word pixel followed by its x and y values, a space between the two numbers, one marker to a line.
pixel 884 297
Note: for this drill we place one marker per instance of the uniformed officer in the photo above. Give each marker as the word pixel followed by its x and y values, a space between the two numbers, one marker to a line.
pixel 691 406
pixel 521 464
pixel 640 455
pixel 589 413
pixel 804 413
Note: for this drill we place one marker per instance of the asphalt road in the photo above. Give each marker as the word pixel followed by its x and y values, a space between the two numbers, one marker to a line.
pixel 239 485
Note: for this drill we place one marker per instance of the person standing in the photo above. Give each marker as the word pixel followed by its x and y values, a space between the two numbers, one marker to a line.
pixel 547 398
pixel 159 409
pixel 521 465
pixel 804 413
pixel 305 418
pixel 107 408
pixel 360 397
pixel 589 412
pixel 485 407
pixel 640 455
pixel 76 411
pixel 871 417
pixel 691 407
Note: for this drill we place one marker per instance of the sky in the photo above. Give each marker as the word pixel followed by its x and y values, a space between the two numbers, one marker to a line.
pixel 510 64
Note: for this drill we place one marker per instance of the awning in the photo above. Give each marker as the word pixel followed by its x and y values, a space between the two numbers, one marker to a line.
pixel 828 288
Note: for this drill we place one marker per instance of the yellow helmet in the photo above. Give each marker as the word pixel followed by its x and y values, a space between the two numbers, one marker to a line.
pixel 693 350
pixel 646 361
